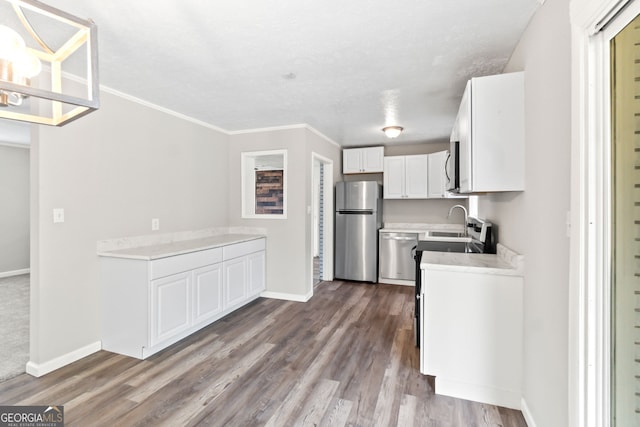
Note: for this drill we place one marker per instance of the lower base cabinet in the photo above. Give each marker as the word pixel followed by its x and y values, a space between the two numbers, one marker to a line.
pixel 149 305
pixel 207 301
pixel 170 306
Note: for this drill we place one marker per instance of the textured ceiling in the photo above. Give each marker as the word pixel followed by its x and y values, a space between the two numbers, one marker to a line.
pixel 346 68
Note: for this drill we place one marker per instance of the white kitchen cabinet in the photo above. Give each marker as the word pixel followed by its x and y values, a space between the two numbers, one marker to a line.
pixel 490 131
pixel 207 286
pixel 256 263
pixel 235 281
pixel 149 304
pixel 471 335
pixel 170 306
pixel 405 177
pixel 437 181
pixel 362 160
pixel 437 176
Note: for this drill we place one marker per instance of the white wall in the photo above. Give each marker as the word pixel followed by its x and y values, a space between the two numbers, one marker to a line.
pixel 14 215
pixel 533 222
pixel 111 171
pixel 288 242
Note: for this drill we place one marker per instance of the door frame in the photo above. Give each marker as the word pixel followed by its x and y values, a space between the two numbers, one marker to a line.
pixel 327 237
pixel 593 23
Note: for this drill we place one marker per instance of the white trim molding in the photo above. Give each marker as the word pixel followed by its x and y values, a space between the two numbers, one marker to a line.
pixel 14 273
pixel 327 238
pixel 526 413
pixel 589 293
pixel 26 145
pixel 287 296
pixel 40 369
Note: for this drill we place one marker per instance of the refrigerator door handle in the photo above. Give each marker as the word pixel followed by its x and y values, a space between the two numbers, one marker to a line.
pixel 348 212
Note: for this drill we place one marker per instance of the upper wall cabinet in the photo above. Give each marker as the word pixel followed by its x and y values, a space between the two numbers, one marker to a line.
pixel 490 129
pixel 437 175
pixel 405 177
pixel 363 160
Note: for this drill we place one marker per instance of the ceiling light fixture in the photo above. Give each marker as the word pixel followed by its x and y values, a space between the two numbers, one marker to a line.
pixel 20 64
pixel 392 131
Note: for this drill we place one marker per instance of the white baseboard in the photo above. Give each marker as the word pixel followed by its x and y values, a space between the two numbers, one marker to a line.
pixel 40 369
pixel 287 297
pixel 478 393
pixel 386 281
pixel 14 273
pixel 527 414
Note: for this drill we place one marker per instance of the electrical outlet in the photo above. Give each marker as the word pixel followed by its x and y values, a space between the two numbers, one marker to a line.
pixel 58 215
pixel 155 224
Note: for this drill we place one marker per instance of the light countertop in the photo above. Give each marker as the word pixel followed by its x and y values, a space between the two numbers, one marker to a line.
pixel 163 250
pixel 505 262
pixel 422 229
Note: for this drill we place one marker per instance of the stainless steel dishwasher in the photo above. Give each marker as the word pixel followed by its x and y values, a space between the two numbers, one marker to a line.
pixel 396 255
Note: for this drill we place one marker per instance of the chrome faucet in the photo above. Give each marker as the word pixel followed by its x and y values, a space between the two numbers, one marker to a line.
pixel 465 217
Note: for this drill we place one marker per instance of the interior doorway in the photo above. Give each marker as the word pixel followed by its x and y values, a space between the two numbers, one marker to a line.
pixel 14 254
pixel 321 219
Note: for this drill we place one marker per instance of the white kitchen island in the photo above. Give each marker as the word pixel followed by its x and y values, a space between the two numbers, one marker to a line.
pixel 156 294
pixel 471 318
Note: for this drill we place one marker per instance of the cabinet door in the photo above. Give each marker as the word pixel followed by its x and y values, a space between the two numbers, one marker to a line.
pixel 393 177
pixel 256 265
pixel 207 293
pixel 464 133
pixel 437 178
pixel 373 159
pixel 170 306
pixel 352 160
pixel 416 176
pixel 235 281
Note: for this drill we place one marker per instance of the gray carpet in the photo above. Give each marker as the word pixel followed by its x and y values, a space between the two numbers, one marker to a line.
pixel 14 325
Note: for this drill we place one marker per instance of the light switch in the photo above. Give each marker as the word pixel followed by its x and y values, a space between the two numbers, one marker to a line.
pixel 155 224
pixel 58 215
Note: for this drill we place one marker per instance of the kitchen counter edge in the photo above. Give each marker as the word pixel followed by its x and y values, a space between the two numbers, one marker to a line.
pixel 165 250
pixel 505 262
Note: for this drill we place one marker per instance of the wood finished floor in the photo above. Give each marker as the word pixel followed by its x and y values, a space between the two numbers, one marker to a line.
pixel 346 357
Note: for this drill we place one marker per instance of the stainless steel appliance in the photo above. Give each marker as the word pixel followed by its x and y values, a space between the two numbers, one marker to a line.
pixel 481 240
pixel 396 255
pixel 358 219
pixel 452 167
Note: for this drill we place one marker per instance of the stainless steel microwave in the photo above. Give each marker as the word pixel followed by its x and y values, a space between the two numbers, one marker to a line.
pixel 452 168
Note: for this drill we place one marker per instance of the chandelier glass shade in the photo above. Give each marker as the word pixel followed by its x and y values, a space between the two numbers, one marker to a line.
pixel 36 71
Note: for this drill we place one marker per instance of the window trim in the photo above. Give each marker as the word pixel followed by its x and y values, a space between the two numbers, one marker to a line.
pixel 246 168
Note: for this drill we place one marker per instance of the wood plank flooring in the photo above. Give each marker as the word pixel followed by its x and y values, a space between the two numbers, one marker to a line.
pixel 345 358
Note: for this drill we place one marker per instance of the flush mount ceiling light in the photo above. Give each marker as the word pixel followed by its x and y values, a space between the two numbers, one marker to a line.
pixel 392 131
pixel 23 77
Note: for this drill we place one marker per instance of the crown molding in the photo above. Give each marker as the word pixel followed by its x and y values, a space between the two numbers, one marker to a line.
pixel 157 107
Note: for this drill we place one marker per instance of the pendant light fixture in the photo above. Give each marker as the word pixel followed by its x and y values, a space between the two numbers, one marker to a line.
pixel 23 77
pixel 392 131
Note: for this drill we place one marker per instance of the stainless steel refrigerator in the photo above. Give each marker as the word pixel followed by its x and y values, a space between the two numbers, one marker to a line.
pixel 358 219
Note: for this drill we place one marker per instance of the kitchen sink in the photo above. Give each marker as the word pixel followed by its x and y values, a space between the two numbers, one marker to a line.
pixel 448 246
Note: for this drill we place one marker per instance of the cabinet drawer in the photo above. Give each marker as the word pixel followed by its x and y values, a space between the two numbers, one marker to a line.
pixel 244 248
pixel 175 264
